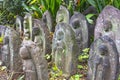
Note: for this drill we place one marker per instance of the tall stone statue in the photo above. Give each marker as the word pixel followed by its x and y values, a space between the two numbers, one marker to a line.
pixel 65 49
pixel 34 63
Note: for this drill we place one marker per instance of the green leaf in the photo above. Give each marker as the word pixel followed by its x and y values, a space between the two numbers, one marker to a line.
pixel 86 50
pixel 27 8
pixel 80 67
pixel 21 78
pixel 92 2
pixel 77 77
pixel 37 9
pixel 33 2
pixel 88 17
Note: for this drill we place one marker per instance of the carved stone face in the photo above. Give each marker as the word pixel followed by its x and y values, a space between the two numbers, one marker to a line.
pixel 36 31
pixel 77 28
pixel 103 50
pixel 76 23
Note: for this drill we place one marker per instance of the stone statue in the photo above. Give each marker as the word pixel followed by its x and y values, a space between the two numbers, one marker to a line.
pixel 25 53
pixel 108 23
pixel 47 19
pixel 28 64
pixel 62 15
pixel 34 63
pixel 65 49
pixel 103 62
pixel 41 37
pixel 10 50
pixel 5 51
pixel 19 25
pixel 79 25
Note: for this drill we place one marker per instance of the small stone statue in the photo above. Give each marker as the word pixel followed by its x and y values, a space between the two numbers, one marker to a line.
pixel 47 19
pixel 79 25
pixel 62 15
pixel 28 65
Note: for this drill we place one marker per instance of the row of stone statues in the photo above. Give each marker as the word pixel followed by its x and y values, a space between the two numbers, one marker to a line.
pixel 26 46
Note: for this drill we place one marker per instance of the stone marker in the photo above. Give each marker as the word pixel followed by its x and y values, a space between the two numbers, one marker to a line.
pixel 65 49
pixel 103 61
pixel 62 15
pixel 47 19
pixel 79 25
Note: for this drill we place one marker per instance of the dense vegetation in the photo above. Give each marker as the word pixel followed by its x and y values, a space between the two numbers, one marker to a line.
pixel 11 8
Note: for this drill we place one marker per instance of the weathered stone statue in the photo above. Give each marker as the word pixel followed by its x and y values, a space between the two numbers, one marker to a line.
pixel 41 37
pixel 103 61
pixel 14 43
pixel 28 64
pixel 19 25
pixel 62 15
pixel 108 23
pixel 79 25
pixel 10 51
pixel 65 49
pixel 34 63
pixel 47 19
pixel 5 52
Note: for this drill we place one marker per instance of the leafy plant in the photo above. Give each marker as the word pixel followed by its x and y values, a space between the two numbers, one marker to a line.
pixel 100 4
pixel 10 9
pixel 84 56
pixel 76 77
pixel 88 17
pixel 55 73
pixel 38 7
